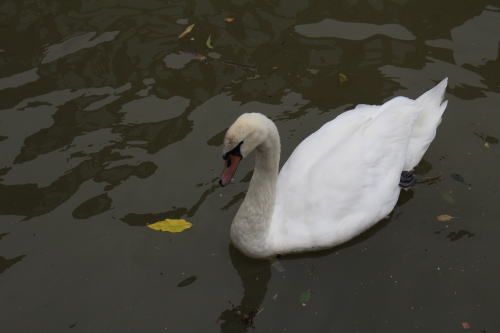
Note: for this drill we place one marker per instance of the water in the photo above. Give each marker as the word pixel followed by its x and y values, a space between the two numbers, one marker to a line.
pixel 108 121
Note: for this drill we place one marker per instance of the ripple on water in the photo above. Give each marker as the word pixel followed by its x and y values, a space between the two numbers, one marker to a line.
pixel 329 28
pixel 75 44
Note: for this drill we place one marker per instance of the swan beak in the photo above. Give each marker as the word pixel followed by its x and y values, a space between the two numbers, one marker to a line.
pixel 231 164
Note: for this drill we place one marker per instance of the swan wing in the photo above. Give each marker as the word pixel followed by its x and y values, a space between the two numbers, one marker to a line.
pixel 423 132
pixel 343 178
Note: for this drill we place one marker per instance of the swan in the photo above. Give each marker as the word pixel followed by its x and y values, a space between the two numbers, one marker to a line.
pixel 337 183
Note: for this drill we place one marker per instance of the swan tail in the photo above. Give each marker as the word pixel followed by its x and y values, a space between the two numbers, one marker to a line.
pixel 434 96
pixel 432 106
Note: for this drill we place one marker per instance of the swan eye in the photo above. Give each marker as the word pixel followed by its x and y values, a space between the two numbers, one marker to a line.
pixel 235 151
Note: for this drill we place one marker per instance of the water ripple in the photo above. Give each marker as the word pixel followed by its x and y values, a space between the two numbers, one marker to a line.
pixel 76 44
pixel 352 30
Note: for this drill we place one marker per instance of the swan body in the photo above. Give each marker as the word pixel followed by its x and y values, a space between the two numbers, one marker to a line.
pixel 337 183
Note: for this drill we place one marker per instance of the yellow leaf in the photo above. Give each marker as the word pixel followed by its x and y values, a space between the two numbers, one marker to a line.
pixel 343 78
pixel 444 218
pixel 229 19
pixel 171 225
pixel 186 31
pixel 209 42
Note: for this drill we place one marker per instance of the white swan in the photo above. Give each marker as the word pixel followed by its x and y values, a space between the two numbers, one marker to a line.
pixel 338 182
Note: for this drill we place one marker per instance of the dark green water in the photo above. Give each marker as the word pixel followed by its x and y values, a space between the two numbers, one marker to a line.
pixel 108 121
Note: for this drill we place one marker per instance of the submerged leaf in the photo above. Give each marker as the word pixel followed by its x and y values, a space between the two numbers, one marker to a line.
pixel 456 235
pixel 171 225
pixel 209 42
pixel 305 297
pixel 444 218
pixel 488 139
pixel 187 282
pixel 458 178
pixel 465 325
pixel 229 19
pixel 342 78
pixel 186 31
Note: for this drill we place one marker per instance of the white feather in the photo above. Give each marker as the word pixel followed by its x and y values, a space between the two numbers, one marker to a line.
pixel 338 182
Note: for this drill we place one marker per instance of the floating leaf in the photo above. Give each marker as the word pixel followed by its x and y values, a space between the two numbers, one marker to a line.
pixel 456 235
pixel 171 225
pixel 209 42
pixel 458 178
pixel 188 29
pixel 491 139
pixel 305 297
pixel 487 138
pixel 187 282
pixel 342 78
pixel 444 218
pixel 229 19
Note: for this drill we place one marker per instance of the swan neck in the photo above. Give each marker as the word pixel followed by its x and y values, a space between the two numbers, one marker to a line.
pixel 251 225
pixel 265 176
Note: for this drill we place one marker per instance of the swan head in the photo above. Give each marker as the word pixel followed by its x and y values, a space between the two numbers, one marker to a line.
pixel 245 134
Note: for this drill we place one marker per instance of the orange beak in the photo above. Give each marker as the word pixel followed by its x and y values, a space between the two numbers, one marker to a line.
pixel 232 163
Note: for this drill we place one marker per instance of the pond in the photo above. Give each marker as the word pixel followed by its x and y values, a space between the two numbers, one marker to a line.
pixel 109 121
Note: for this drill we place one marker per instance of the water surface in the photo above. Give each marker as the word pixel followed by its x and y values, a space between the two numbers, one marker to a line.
pixel 109 121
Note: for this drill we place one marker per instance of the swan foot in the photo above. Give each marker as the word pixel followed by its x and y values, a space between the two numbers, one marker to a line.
pixel 407 179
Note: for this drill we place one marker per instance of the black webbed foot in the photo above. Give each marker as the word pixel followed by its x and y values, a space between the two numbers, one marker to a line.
pixel 407 179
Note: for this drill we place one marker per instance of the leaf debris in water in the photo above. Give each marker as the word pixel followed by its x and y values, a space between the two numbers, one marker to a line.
pixel 188 29
pixel 171 225
pixel 229 19
pixel 456 235
pixel 305 297
pixel 187 282
pixel 342 78
pixel 465 325
pixel 209 42
pixel 444 218
pixel 488 139
pixel 458 178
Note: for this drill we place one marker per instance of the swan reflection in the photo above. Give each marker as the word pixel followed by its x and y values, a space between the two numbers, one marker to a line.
pixel 255 275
